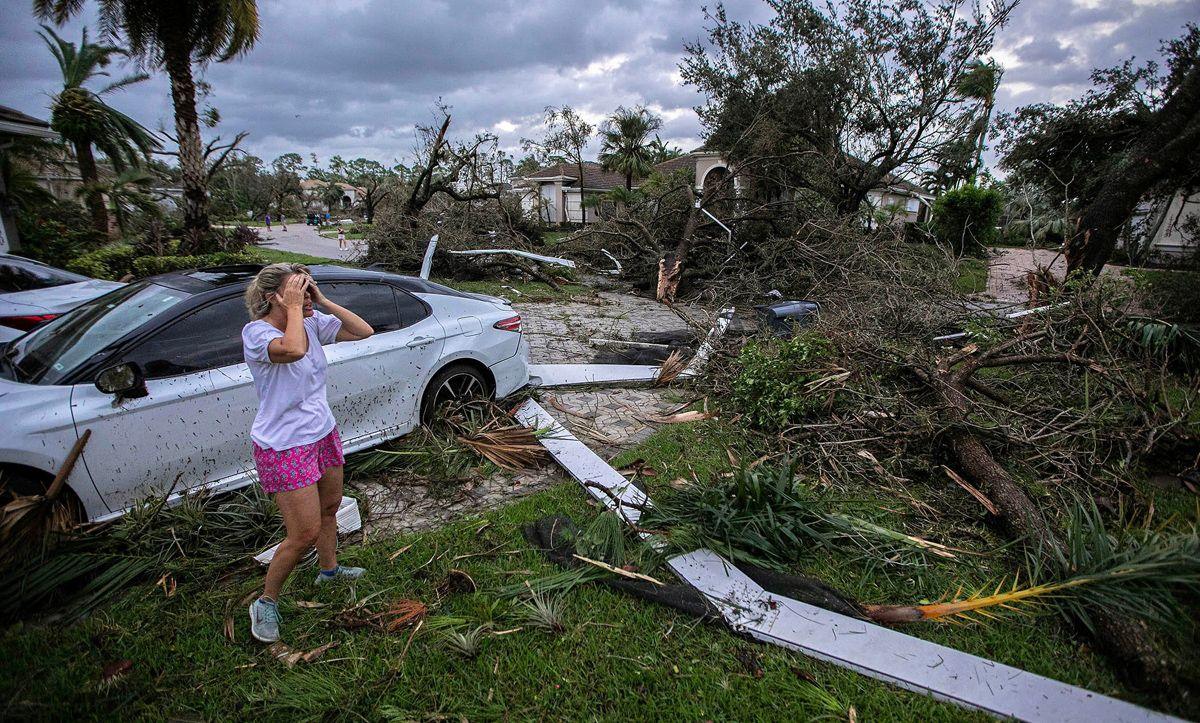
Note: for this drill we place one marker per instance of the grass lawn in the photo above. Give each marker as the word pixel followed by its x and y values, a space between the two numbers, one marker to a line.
pixel 619 657
pixel 273 255
pixel 972 276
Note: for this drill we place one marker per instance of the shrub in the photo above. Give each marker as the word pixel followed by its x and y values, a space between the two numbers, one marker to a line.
pixel 966 218
pixel 151 265
pixel 108 262
pixel 771 388
pixel 1171 295
pixel 56 232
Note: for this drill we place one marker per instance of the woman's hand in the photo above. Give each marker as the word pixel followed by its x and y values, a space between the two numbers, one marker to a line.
pixel 291 296
pixel 317 296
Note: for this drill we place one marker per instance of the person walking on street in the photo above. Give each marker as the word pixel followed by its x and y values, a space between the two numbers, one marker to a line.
pixel 282 222
pixel 267 218
pixel 297 450
pixel 342 239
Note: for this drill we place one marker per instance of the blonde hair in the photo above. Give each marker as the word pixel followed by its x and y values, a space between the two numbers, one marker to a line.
pixel 266 284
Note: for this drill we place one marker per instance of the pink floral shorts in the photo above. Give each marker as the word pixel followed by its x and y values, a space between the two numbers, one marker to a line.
pixel 297 467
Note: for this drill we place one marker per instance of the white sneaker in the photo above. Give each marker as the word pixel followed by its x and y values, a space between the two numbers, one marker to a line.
pixel 264 621
pixel 341 572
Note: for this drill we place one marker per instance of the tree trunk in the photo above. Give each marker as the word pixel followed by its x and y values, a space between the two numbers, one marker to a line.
pixel 90 177
pixel 670 268
pixel 1169 139
pixel 1127 641
pixel 191 157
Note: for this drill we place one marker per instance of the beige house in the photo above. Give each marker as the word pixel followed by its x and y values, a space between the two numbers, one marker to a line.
pixel 1172 237
pixel 900 202
pixel 554 192
pixel 15 126
pixel 314 196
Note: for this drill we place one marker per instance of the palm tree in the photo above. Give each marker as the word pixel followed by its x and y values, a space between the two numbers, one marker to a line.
pixel 128 192
pixel 624 143
pixel 979 83
pixel 84 120
pixel 172 36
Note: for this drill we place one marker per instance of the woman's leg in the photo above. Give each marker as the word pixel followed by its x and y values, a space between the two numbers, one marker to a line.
pixel 301 510
pixel 330 489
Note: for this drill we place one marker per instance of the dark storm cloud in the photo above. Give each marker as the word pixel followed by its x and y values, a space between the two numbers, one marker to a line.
pixel 353 78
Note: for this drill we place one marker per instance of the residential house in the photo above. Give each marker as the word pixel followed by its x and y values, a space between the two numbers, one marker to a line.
pixel 314 194
pixel 554 191
pixel 1178 231
pixel 901 201
pixel 15 126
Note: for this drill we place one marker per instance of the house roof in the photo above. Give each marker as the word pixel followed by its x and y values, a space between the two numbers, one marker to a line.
pixel 309 184
pixel 687 160
pixel 594 175
pixel 14 122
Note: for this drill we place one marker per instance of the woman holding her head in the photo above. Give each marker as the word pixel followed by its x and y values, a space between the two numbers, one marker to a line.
pixel 297 451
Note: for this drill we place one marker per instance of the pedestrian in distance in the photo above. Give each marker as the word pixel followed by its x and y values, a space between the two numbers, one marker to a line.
pixel 267 218
pixel 282 222
pixel 297 450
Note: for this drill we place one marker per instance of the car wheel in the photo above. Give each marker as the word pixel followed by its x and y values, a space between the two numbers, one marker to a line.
pixel 455 383
pixel 17 481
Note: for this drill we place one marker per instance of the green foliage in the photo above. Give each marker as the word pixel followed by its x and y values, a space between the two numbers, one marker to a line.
pixel 1173 295
pixel 116 261
pixel 772 387
pixel 108 262
pixel 55 232
pixel 151 265
pixel 1140 572
pixel 767 517
pixel 965 218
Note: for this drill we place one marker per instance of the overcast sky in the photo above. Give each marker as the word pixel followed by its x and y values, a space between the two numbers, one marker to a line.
pixel 352 77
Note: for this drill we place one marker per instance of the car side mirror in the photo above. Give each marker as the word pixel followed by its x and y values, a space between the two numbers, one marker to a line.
pixel 124 380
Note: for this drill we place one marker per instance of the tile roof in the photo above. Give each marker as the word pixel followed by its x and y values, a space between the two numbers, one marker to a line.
pixel 594 175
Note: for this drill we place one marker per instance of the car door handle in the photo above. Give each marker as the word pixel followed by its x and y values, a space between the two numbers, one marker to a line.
pixel 419 341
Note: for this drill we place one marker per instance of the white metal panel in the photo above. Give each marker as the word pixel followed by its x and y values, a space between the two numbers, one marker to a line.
pixel 584 465
pixel 563 375
pixel 912 663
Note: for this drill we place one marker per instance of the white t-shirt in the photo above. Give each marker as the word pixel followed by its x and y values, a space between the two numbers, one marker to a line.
pixel 293 408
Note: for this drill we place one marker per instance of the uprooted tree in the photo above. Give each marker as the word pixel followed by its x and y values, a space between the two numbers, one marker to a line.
pixel 1030 415
pixel 1134 136
pixel 836 99
pixel 453 190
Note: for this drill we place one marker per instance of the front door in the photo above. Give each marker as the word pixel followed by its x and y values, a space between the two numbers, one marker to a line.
pixel 192 429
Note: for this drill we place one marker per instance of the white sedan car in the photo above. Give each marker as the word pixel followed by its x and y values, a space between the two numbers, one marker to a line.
pixel 32 293
pixel 155 371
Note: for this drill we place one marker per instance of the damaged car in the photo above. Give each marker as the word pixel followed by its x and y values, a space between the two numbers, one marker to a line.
pixel 155 370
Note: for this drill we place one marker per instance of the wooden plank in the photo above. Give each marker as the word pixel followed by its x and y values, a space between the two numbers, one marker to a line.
pixel 891 656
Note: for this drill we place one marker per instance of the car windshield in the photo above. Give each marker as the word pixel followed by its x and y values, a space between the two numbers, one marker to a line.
pixel 54 350
pixel 22 275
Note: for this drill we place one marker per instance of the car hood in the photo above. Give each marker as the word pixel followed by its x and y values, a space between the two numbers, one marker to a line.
pixel 56 299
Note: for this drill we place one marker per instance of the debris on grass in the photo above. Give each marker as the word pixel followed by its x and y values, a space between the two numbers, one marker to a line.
pixel 113 671
pixel 399 614
pixel 289 656
pixel 671 368
pixel 457 582
pixel 543 611
pixel 465 642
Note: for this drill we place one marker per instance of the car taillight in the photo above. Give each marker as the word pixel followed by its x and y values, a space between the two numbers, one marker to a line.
pixel 25 323
pixel 512 323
